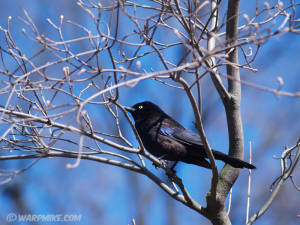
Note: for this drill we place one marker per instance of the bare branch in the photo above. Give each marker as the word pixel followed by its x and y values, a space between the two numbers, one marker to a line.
pixel 286 174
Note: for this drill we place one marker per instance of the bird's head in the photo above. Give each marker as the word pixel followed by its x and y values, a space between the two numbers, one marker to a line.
pixel 143 110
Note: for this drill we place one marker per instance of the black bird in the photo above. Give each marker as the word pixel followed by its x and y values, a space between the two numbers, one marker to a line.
pixel 165 138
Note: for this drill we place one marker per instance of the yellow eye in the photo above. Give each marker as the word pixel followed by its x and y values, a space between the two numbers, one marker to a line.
pixel 140 107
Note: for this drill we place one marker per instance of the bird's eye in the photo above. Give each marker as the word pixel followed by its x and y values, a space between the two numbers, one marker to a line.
pixel 140 107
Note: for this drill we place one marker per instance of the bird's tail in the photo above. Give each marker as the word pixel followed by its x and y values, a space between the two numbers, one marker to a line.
pixel 237 163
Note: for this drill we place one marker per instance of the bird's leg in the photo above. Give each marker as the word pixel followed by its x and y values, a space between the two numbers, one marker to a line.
pixel 173 166
pixel 171 172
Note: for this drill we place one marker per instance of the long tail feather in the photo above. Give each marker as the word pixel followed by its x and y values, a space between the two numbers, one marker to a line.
pixel 237 163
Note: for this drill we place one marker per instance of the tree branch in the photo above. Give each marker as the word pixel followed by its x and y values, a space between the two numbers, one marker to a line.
pixel 286 174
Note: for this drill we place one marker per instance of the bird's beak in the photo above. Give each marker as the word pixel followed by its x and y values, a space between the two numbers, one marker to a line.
pixel 130 109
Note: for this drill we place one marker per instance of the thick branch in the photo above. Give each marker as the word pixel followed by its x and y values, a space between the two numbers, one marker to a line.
pixel 232 106
pixel 228 175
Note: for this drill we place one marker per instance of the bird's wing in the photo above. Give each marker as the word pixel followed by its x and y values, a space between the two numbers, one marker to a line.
pixel 182 135
pixel 188 138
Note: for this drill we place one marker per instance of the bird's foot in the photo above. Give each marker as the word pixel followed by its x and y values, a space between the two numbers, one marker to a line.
pixel 162 164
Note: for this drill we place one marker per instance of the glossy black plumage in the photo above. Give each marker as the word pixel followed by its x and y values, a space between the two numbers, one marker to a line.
pixel 164 137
